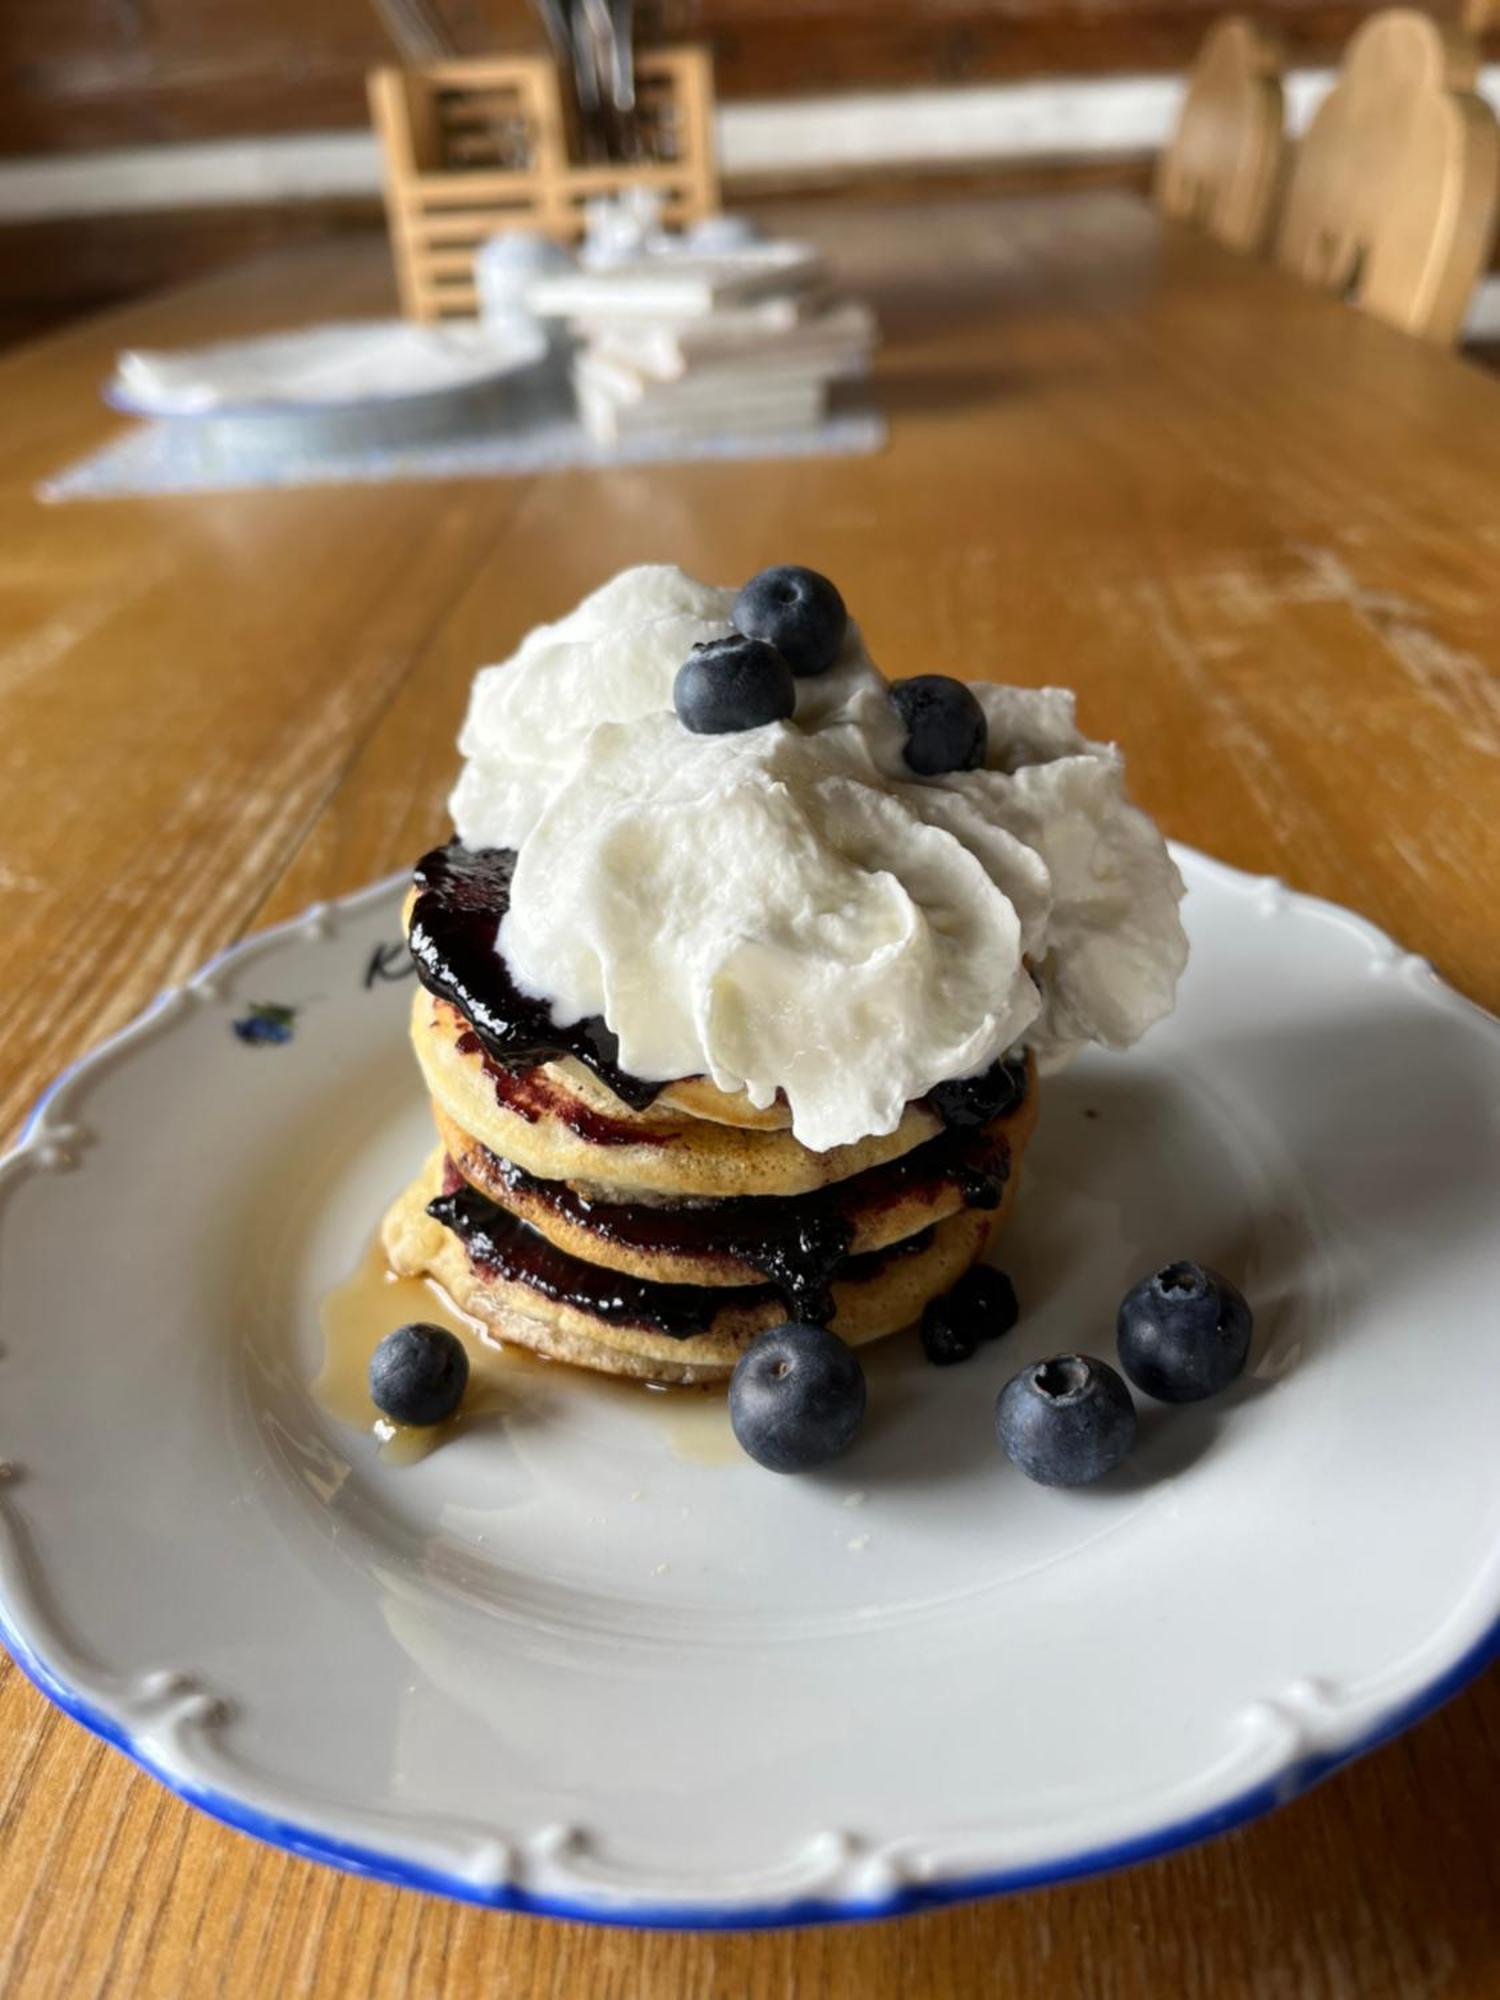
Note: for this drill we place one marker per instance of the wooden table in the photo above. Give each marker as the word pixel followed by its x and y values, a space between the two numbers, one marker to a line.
pixel 1259 534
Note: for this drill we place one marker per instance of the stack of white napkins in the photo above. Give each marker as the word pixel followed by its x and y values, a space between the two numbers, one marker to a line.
pixel 744 339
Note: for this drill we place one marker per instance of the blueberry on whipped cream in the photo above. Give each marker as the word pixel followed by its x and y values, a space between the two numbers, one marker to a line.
pixel 733 683
pixel 798 612
pixel 945 726
pixel 788 909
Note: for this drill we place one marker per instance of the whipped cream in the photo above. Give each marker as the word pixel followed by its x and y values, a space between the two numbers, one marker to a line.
pixel 788 908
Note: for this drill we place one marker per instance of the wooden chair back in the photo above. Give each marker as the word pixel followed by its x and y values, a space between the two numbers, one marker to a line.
pixel 1392 201
pixel 1222 169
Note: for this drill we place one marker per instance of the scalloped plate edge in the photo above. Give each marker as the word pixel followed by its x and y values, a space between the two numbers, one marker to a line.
pixel 1302 1766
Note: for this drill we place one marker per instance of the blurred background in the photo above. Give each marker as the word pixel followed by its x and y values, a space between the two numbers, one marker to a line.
pixel 144 141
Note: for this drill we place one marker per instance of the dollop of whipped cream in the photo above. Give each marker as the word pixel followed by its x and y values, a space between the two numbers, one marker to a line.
pixel 789 908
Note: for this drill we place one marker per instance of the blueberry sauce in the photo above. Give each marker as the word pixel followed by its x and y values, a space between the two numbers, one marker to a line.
pixel 796 1242
pixel 505 1247
pixel 974 1100
pixel 462 896
pixel 529 1094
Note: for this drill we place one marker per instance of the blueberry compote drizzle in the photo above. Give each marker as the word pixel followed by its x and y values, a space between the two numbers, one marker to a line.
pixel 796 1242
pixel 503 1244
pixel 462 895
pixel 975 1100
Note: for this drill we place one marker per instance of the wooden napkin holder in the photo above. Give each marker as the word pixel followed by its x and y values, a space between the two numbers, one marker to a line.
pixel 477 146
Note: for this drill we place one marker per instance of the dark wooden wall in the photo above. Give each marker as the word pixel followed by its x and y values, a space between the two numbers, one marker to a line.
pixel 88 73
pixel 79 75
pixel 779 47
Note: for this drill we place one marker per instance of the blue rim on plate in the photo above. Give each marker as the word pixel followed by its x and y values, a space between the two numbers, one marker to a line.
pixel 1298 1774
pixel 1299 1777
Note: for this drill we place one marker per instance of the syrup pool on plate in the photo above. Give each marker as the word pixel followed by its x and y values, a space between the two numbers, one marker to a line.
pixel 373 1301
pixel 357 1315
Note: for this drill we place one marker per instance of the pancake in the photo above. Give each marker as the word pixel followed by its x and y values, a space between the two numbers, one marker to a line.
pixel 793 1241
pixel 700 1097
pixel 688 1097
pixel 653 1229
pixel 532 1117
pixel 462 899
pixel 452 918
pixel 608 1326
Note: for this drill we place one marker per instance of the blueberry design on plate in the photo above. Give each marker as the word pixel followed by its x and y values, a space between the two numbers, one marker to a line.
pixel 265 1024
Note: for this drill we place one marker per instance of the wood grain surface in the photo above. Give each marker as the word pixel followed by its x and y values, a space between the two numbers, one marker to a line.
pixel 1259 532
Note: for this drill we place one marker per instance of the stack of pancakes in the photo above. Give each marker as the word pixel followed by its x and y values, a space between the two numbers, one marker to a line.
pixel 653 1231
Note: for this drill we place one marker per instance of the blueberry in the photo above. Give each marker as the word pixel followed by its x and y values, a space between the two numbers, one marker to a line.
pixel 730 684
pixel 1184 1333
pixel 418 1374
pixel 975 1100
pixel 1066 1421
pixel 980 1307
pixel 945 726
pixel 796 1398
pixel 799 612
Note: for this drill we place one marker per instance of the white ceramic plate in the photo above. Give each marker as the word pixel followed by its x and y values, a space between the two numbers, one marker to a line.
pixel 318 369
pixel 361 387
pixel 580 1659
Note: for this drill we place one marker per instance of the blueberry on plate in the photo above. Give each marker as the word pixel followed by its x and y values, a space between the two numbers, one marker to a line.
pixel 798 612
pixel 945 726
pixel 980 1307
pixel 732 684
pixel 1183 1333
pixel 796 1398
pixel 1065 1422
pixel 418 1374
